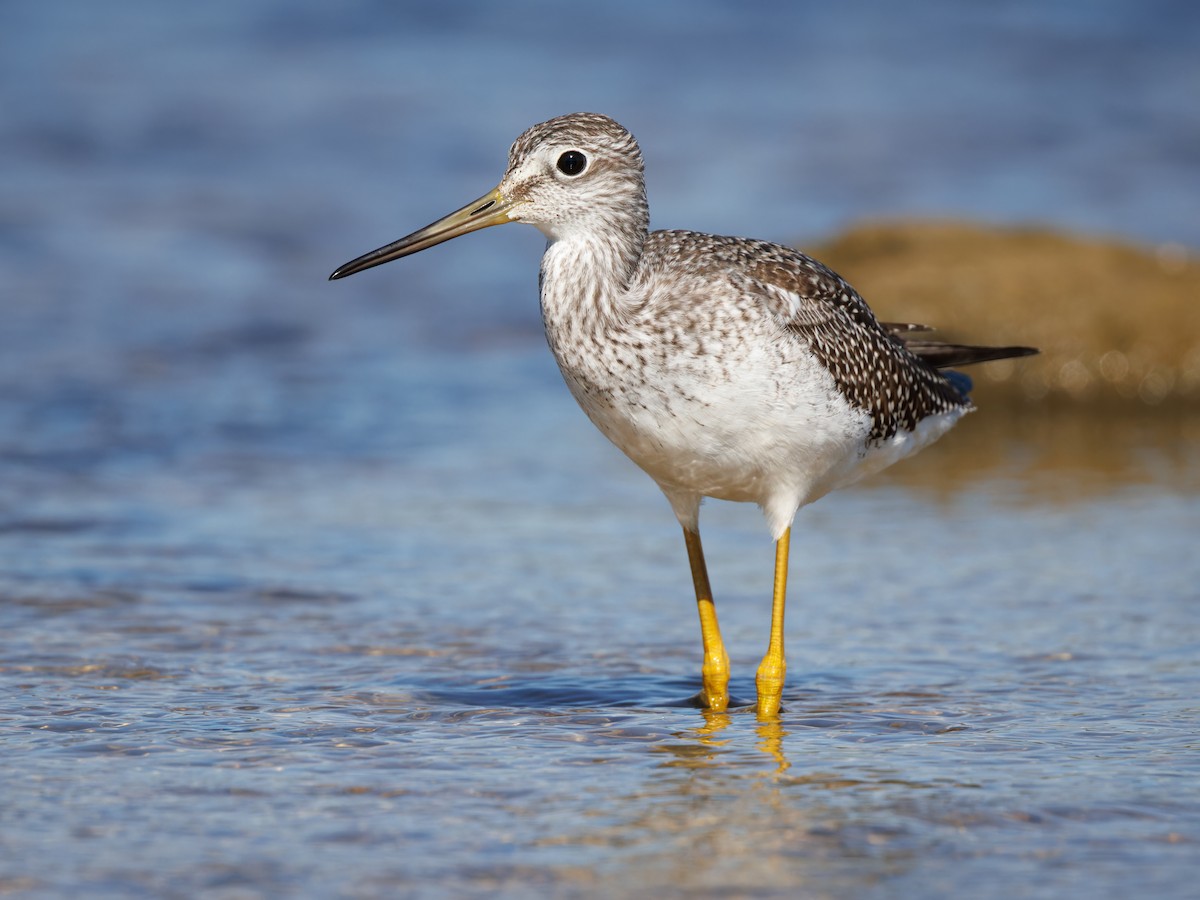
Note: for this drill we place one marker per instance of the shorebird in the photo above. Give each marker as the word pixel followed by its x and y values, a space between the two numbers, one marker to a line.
pixel 724 367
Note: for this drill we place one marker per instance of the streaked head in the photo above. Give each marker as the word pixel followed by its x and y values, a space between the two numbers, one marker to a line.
pixel 573 174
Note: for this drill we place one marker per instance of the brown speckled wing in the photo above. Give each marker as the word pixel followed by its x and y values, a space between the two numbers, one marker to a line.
pixel 871 366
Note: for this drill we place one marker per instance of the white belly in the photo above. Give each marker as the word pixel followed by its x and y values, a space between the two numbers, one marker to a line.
pixel 741 438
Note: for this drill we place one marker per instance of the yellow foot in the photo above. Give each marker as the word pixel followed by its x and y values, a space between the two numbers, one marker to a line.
pixel 714 678
pixel 769 706
pixel 769 682
pixel 713 697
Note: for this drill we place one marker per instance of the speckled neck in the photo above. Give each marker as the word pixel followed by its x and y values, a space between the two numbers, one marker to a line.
pixel 587 273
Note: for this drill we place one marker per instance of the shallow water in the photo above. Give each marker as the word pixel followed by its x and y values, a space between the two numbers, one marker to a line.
pixel 457 660
pixel 330 590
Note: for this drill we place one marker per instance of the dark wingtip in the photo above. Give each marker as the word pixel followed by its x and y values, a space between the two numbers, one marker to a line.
pixel 942 356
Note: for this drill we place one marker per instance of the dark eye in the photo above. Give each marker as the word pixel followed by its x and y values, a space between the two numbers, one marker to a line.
pixel 572 163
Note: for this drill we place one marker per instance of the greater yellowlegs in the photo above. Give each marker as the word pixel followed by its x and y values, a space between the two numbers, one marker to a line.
pixel 724 367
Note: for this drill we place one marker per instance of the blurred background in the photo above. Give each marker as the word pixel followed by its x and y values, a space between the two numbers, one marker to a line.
pixel 178 182
pixel 221 475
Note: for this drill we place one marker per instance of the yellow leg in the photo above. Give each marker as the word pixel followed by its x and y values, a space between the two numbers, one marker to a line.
pixel 714 672
pixel 771 671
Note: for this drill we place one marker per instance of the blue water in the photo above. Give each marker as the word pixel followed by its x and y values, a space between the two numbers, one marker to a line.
pixel 314 589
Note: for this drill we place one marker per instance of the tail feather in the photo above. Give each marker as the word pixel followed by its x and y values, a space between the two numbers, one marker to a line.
pixel 941 356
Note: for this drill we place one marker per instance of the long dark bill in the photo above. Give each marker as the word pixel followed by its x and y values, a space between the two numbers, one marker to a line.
pixel 490 209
